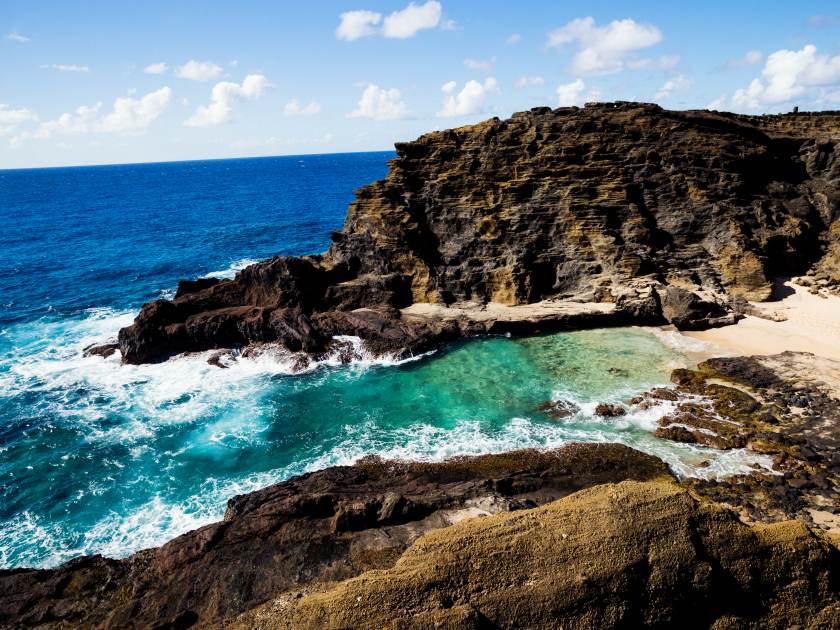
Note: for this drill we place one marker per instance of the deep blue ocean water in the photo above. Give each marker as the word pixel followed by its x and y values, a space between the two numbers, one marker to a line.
pixel 96 457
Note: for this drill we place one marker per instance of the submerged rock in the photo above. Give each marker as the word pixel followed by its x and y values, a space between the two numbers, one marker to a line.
pixel 616 213
pixel 559 408
pixel 610 410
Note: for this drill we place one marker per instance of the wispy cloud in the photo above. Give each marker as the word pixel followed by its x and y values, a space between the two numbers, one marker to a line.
pixel 293 108
pixel 824 21
pixel 17 37
pixel 513 38
pixel 670 86
pixel 11 118
pixel 529 80
pixel 484 65
pixel 156 68
pixel 198 71
pixel 66 67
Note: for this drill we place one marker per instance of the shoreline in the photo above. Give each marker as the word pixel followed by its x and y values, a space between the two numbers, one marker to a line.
pixel 799 322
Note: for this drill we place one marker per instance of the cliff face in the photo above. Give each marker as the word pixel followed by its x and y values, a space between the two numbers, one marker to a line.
pixel 661 215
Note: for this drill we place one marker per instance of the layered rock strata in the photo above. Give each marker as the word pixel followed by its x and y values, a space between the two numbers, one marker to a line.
pixel 318 528
pixel 614 213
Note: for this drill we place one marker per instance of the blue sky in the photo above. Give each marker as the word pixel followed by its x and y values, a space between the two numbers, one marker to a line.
pixel 107 82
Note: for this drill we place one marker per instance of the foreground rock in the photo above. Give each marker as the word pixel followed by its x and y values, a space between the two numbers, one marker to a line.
pixel 626 555
pixel 611 214
pixel 786 406
pixel 318 528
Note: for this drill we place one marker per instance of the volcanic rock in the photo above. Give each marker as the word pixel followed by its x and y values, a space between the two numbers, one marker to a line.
pixel 317 528
pixel 627 555
pixel 616 213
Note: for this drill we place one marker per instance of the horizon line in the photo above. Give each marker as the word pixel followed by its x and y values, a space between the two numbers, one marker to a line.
pixel 217 159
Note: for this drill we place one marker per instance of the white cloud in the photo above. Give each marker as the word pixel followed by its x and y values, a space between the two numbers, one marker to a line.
pixel 400 24
pixel 129 116
pixel 198 71
pixel 529 80
pixel 379 103
pixel 670 86
pixel 575 93
pixel 293 108
pixel 718 103
pixel 752 58
pixel 11 118
pixel 484 65
pixel 14 116
pixel 513 38
pixel 665 62
pixel 155 68
pixel 414 18
pixel 787 75
pixel 65 67
pixel 604 49
pixel 354 25
pixel 222 98
pixel 17 37
pixel 470 100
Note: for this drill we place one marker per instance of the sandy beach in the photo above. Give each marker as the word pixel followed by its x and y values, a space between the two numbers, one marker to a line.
pixel 809 323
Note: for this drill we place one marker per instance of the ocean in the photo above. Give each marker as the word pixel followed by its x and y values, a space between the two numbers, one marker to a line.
pixel 99 457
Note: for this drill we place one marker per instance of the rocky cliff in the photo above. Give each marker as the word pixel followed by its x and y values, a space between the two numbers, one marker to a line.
pixel 610 214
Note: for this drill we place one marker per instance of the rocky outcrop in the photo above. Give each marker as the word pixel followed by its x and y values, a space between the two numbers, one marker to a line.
pixel 628 555
pixel 318 528
pixel 630 213
pixel 522 539
pixel 786 406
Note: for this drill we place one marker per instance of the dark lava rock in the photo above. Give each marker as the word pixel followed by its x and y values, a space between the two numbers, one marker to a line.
pixel 323 526
pixel 559 408
pixel 675 433
pixel 661 215
pixel 104 350
pixel 609 410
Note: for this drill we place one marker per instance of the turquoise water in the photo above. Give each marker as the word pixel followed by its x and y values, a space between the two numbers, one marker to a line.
pixel 97 457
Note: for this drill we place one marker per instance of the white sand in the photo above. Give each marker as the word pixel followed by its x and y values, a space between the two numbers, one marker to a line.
pixel 493 311
pixel 812 325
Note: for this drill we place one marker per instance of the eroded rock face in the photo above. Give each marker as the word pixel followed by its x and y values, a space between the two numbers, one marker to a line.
pixel 662 215
pixel 317 528
pixel 626 555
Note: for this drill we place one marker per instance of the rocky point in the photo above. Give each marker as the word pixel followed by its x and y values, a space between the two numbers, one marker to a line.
pixel 610 214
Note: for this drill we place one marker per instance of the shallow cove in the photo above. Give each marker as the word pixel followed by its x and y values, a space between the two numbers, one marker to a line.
pixel 103 458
